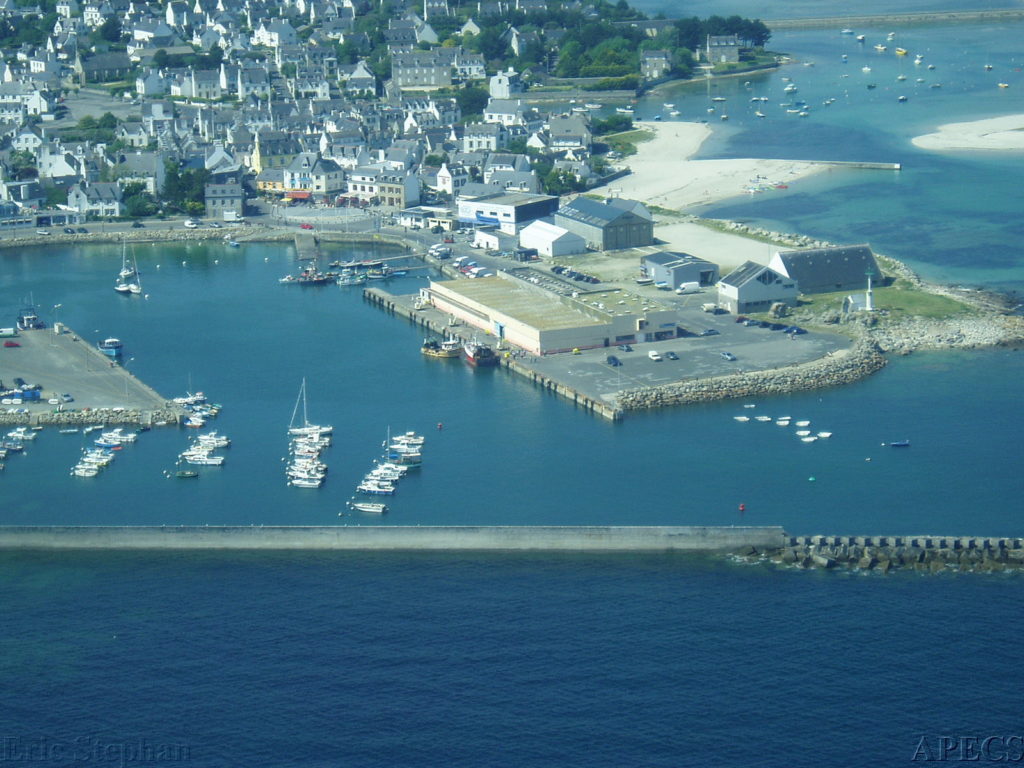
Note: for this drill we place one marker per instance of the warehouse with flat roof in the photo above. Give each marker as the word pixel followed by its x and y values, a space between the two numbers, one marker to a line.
pixel 543 321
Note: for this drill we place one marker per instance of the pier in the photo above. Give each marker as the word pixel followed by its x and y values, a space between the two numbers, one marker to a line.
pixel 541 538
pixel 307 247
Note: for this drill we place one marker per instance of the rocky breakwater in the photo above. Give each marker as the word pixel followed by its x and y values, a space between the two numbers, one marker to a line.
pixel 841 367
pixel 930 554
pixel 169 415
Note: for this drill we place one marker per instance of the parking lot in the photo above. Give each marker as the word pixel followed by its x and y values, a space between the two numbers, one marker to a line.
pixel 701 357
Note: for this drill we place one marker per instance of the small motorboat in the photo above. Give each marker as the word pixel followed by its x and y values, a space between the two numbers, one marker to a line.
pixel 371 507
pixel 899 444
pixel 186 473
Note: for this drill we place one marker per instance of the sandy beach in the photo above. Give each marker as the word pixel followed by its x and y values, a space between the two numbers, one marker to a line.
pixel 663 175
pixel 997 133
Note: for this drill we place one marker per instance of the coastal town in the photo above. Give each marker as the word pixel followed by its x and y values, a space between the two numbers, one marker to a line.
pixel 481 140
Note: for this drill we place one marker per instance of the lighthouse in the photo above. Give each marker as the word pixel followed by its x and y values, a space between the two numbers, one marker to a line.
pixel 868 305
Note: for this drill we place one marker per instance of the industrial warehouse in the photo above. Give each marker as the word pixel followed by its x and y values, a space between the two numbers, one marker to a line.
pixel 544 315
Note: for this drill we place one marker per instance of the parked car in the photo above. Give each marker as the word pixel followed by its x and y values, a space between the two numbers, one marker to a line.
pixel 11 344
pixel 137 225
pixel 625 348
pixel 613 361
pixel 671 355
pixel 655 356
pixel 42 231
pixel 795 330
pixel 305 225
pixel 215 225
pixel 778 326
pixel 66 398
pixel 69 231
pixel 84 231
pixel 708 332
pixel 727 356
pixel 741 318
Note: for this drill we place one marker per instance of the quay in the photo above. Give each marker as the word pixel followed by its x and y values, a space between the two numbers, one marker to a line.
pixel 62 362
pixel 541 538
pixel 430 320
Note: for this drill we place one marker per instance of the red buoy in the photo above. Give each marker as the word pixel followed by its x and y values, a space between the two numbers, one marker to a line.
pixel 440 425
pixel 743 507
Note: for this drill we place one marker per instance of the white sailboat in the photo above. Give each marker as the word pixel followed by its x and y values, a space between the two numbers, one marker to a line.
pixel 306 428
pixel 128 277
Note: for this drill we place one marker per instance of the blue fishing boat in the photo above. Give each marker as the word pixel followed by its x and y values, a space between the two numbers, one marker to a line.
pixel 110 347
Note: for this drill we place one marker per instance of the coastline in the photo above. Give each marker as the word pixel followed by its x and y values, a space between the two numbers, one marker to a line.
pixel 1004 133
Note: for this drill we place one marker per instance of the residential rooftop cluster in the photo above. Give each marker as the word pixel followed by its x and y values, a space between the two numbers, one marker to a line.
pixel 117 108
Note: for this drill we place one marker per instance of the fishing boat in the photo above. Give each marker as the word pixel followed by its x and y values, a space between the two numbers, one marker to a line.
pixel 899 444
pixel 372 507
pixel 901 51
pixel 480 355
pixel 306 428
pixel 110 347
pixel 304 482
pixel 741 418
pixel 349 276
pixel 625 110
pixel 446 349
pixel 593 105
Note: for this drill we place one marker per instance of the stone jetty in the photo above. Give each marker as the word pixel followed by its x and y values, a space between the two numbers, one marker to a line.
pixel 931 554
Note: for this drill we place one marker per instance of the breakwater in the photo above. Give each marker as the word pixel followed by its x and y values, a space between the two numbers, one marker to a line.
pixel 885 553
pixel 928 17
pixel 596 538
pixel 841 367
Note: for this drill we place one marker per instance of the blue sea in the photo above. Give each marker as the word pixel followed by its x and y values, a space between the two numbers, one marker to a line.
pixel 359 659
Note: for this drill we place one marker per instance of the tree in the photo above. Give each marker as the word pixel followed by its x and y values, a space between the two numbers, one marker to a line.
pixel 23 165
pixel 160 58
pixel 288 69
pixel 110 30
pixel 472 100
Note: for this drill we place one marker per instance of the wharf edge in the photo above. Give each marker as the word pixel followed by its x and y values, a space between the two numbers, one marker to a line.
pixel 597 538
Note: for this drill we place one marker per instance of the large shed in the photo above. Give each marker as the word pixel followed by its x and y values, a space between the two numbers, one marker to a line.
pixel 823 270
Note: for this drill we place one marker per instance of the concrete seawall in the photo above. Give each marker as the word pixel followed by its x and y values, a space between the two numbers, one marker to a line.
pixel 382 538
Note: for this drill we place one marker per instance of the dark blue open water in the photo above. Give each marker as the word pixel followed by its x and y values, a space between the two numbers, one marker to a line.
pixel 382 660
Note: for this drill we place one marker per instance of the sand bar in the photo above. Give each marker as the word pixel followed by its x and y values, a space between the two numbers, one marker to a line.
pixel 997 133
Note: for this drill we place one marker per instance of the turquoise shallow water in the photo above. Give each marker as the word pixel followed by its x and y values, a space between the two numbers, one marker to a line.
pixel 356 659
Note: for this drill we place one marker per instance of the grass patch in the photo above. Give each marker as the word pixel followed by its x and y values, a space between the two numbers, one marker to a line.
pixel 625 143
pixel 898 300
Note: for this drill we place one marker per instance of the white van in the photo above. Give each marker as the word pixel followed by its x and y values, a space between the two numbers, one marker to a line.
pixel 191 224
pixel 685 288
pixel 655 356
